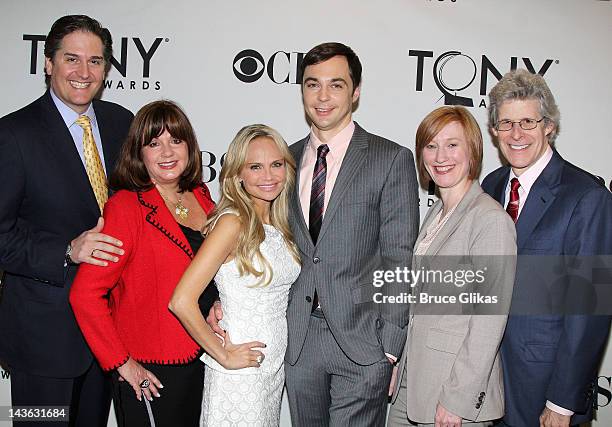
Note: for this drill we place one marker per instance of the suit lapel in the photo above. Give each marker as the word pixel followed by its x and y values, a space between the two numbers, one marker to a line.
pixel 296 207
pixel 202 195
pixel 160 217
pixel 67 155
pixel 419 261
pixel 107 134
pixel 353 159
pixel 429 217
pixel 539 200
pixel 455 219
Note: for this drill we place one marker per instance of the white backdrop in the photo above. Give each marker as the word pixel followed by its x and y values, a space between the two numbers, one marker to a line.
pixel 193 52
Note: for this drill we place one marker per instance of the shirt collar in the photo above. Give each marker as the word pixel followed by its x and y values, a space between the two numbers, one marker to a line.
pixel 338 143
pixel 69 115
pixel 529 177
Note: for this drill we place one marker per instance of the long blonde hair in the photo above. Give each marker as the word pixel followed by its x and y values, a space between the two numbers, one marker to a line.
pixel 235 199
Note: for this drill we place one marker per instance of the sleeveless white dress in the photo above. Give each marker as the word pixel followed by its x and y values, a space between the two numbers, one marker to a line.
pixel 251 396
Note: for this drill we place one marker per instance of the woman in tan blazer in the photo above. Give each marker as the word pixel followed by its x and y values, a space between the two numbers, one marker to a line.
pixel 450 372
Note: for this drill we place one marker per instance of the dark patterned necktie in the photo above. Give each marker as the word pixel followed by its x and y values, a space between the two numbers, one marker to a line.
pixel 513 204
pixel 317 193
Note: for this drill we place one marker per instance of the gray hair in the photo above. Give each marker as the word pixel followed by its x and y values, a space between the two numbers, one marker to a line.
pixel 522 85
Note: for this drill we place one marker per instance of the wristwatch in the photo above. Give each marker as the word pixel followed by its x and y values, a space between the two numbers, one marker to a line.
pixel 67 260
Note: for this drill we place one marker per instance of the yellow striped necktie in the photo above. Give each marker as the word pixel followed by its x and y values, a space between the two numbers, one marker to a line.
pixel 93 164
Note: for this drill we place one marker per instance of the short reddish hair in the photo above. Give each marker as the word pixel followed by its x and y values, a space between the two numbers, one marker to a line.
pixel 433 123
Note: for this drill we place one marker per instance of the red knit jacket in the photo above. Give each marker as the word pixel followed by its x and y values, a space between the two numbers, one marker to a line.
pixel 136 321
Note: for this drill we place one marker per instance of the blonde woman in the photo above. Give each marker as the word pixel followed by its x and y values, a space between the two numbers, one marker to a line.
pixel 250 252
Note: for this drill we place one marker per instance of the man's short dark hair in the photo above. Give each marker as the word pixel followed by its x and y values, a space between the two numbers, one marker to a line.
pixel 325 51
pixel 71 23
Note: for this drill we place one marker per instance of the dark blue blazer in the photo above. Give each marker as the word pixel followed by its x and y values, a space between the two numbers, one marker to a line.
pixel 45 202
pixel 554 357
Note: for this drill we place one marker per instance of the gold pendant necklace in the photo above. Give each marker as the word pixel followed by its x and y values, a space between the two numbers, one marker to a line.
pixel 181 210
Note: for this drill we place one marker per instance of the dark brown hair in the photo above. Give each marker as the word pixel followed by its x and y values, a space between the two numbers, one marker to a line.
pixel 433 123
pixel 150 122
pixel 325 51
pixel 71 23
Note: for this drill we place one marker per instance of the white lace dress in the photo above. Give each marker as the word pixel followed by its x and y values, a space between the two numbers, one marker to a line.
pixel 251 396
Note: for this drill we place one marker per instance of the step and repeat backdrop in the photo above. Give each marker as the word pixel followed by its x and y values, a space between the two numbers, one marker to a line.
pixel 229 64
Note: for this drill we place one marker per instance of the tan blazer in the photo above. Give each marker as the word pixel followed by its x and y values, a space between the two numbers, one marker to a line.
pixel 453 359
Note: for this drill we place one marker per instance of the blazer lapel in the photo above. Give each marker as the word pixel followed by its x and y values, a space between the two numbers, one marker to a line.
pixel 447 230
pixel 353 159
pixel 202 195
pixel 539 200
pixel 296 207
pixel 455 219
pixel 160 217
pixel 67 155
pixel 418 261
pixel 429 217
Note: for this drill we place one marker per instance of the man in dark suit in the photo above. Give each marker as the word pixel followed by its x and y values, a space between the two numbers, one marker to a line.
pixel 550 359
pixel 354 211
pixel 54 157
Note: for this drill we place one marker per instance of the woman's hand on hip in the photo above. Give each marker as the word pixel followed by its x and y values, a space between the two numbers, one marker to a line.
pixel 244 355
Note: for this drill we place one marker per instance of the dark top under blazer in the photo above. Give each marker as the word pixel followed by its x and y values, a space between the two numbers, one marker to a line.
pixel 371 223
pixel 46 201
pixel 554 357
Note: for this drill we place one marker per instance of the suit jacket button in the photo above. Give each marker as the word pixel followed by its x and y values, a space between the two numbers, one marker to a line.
pixel 478 405
pixel 308 299
pixel 316 260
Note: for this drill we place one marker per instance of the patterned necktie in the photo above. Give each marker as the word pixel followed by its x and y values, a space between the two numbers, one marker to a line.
pixel 317 193
pixel 513 204
pixel 93 164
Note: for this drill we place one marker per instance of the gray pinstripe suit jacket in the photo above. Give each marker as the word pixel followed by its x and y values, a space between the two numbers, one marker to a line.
pixel 371 223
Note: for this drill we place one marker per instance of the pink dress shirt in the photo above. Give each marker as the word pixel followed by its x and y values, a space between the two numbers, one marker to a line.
pixel 528 178
pixel 337 149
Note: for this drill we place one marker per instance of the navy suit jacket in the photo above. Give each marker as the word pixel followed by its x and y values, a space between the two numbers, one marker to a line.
pixel 46 201
pixel 554 357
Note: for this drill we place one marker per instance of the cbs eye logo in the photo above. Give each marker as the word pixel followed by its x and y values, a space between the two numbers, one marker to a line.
pixel 248 66
pixel 281 67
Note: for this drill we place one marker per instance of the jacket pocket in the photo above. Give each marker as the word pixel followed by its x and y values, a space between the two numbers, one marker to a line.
pixel 540 353
pixel 363 293
pixel 538 244
pixel 446 341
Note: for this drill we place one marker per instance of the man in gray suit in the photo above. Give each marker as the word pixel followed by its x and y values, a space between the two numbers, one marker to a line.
pixel 354 211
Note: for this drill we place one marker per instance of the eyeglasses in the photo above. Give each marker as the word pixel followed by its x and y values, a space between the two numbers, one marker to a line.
pixel 525 124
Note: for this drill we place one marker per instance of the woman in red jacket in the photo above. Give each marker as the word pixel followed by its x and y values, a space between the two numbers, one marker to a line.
pixel 158 211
